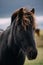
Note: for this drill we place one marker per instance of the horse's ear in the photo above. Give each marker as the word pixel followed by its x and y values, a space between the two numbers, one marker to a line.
pixel 33 10
pixel 20 14
pixel 14 15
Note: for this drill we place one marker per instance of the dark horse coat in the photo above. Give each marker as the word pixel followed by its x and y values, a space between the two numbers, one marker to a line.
pixel 14 40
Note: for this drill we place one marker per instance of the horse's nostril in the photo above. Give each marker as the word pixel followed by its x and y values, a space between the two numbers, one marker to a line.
pixel 32 54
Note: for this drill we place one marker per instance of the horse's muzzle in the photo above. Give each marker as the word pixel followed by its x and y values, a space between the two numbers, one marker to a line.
pixel 32 54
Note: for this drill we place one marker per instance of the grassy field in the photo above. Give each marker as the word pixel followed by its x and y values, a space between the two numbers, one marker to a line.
pixel 39 39
pixel 39 59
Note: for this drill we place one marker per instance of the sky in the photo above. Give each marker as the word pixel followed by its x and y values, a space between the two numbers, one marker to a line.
pixel 7 7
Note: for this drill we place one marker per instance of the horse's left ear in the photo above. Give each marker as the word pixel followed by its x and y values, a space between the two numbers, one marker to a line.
pixel 33 10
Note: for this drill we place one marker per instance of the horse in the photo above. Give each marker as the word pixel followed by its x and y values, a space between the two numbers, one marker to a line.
pixel 17 41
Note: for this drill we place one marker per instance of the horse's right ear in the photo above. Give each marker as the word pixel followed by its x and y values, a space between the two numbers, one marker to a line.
pixel 20 12
pixel 14 15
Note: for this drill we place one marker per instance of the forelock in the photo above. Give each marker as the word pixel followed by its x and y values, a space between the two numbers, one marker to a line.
pixel 22 16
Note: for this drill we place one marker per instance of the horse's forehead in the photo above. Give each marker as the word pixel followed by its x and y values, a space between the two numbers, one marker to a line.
pixel 27 11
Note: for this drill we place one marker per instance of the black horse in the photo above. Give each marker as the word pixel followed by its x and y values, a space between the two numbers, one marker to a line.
pixel 18 39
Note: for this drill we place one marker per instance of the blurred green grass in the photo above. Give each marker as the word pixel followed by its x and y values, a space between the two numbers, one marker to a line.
pixel 39 44
pixel 39 39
